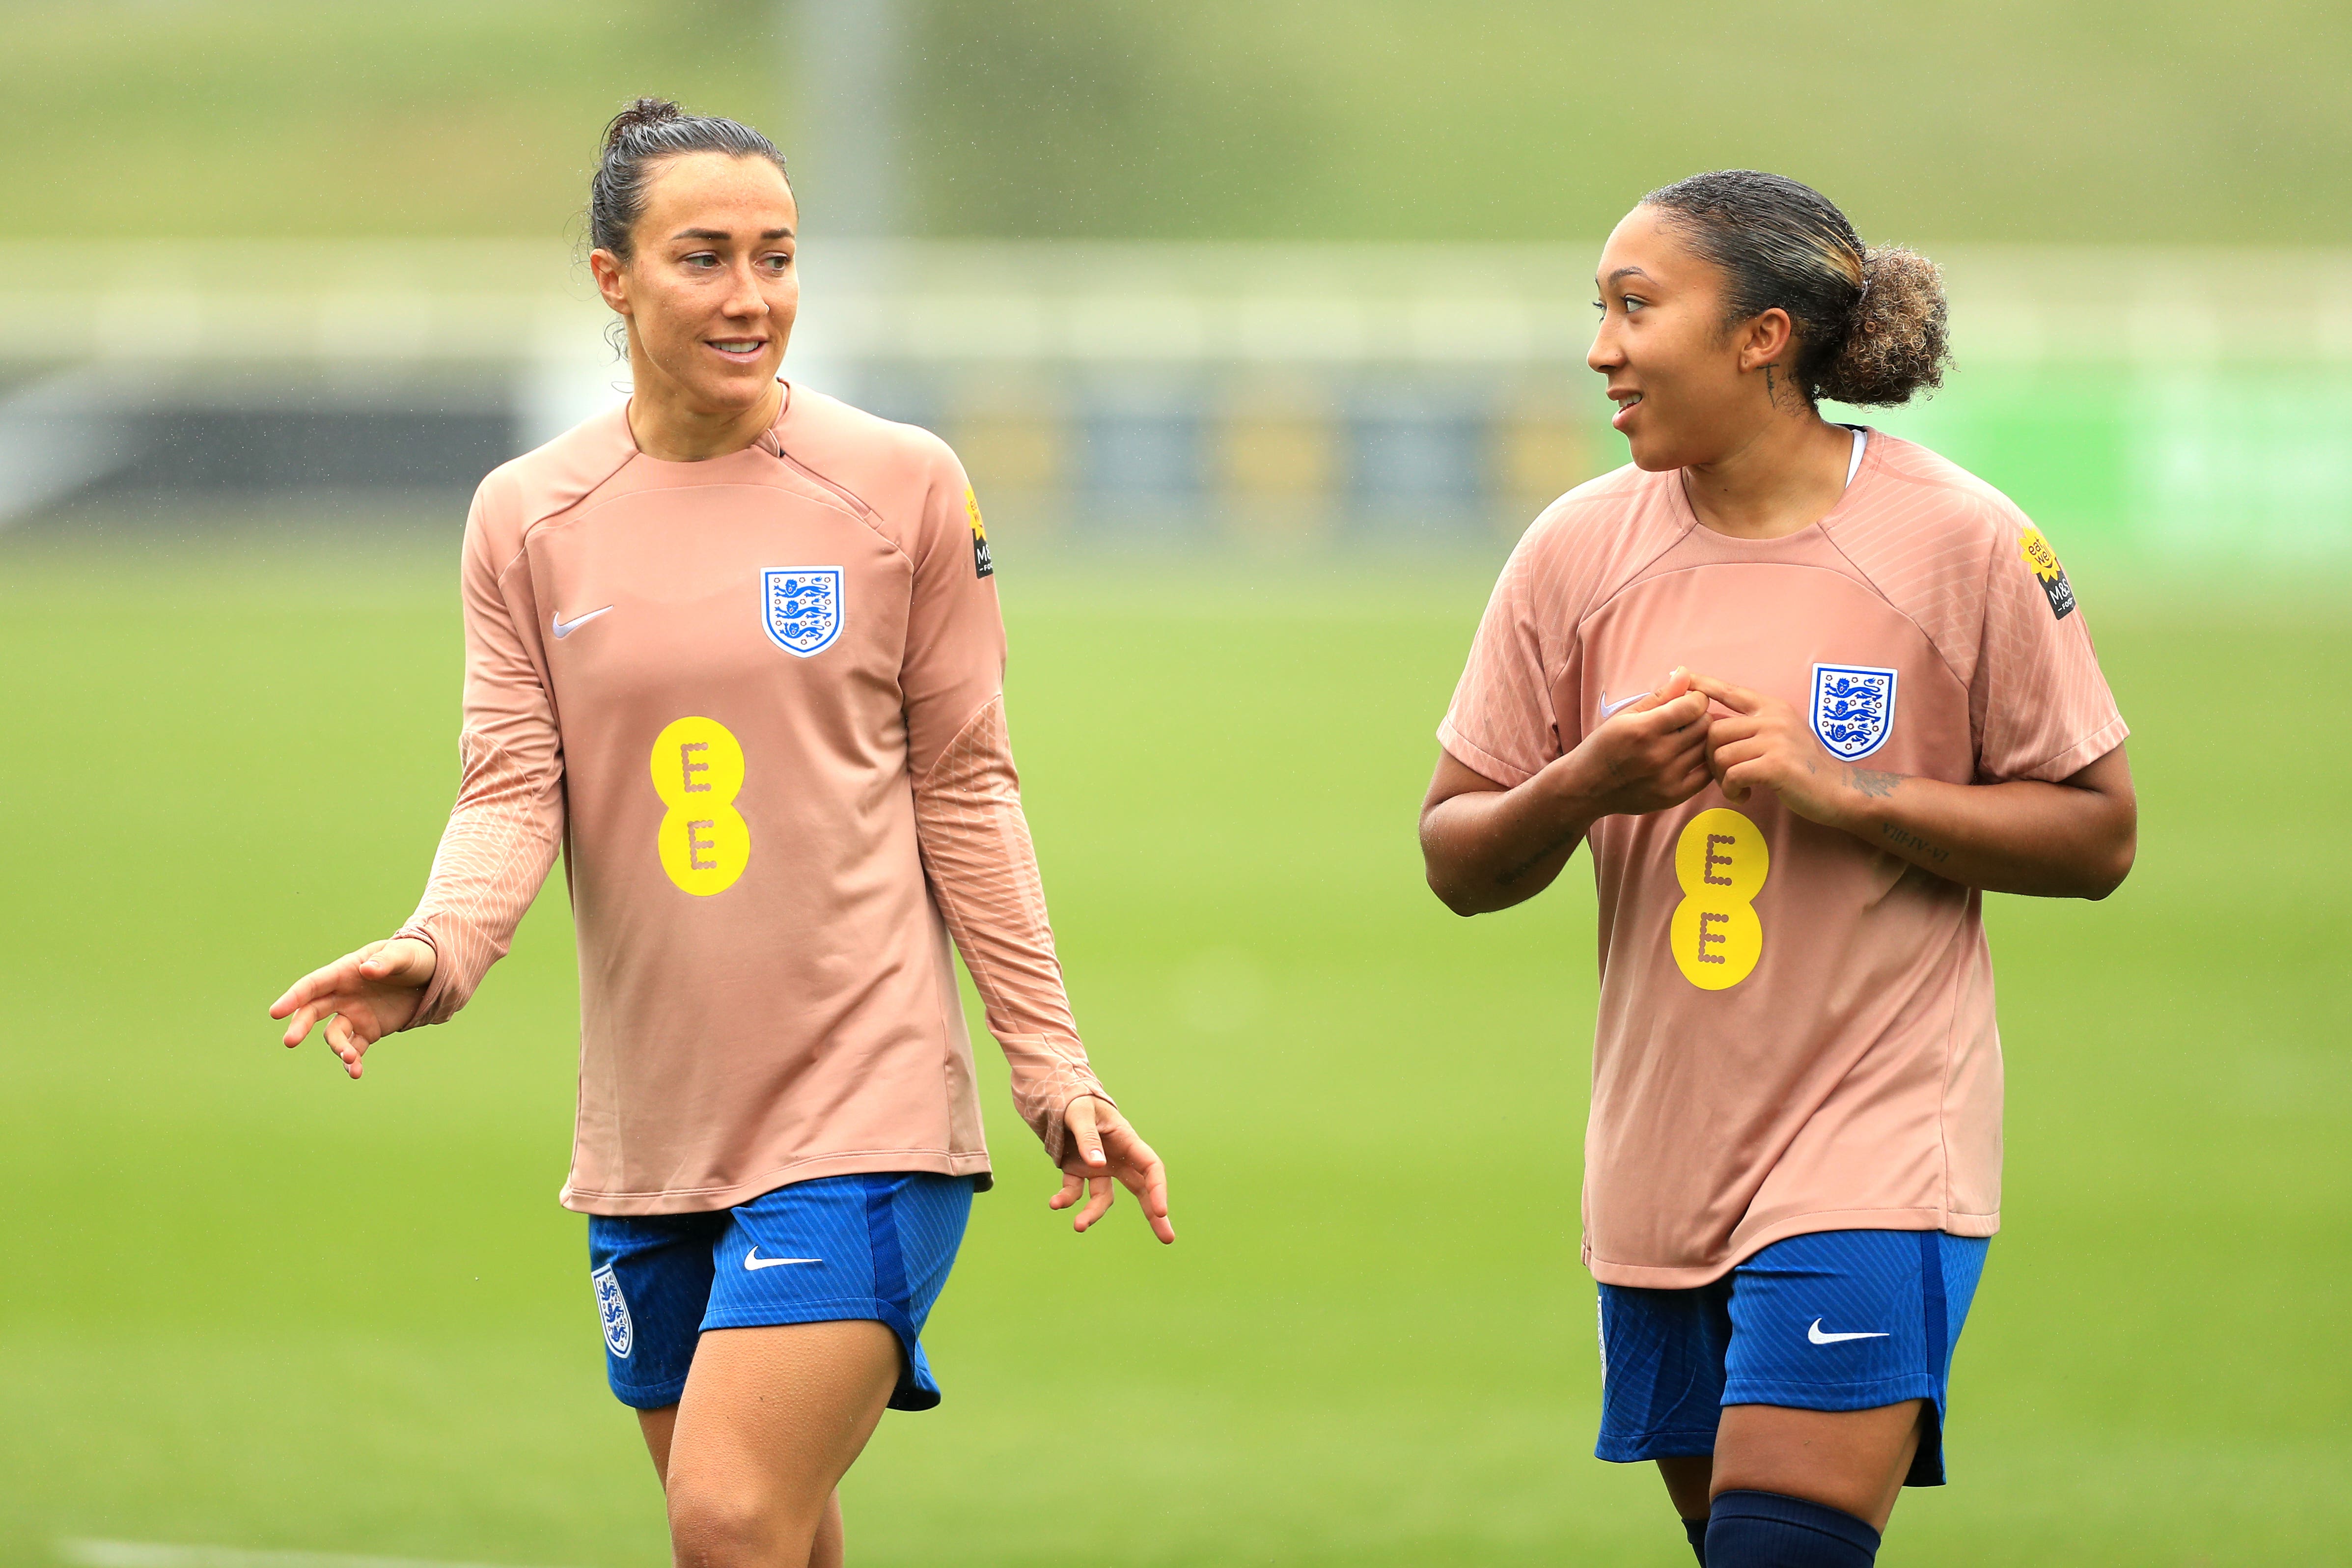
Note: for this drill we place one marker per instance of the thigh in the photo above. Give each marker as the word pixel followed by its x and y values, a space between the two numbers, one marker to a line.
pixel 875 1246
pixel 771 1419
pixel 1840 1349
pixel 1849 1460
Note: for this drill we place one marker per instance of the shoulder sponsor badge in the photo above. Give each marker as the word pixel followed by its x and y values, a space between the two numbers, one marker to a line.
pixel 801 606
pixel 1853 709
pixel 2047 571
pixel 620 1333
pixel 982 563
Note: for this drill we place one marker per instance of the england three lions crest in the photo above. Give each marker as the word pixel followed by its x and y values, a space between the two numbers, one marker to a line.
pixel 801 606
pixel 1853 709
pixel 620 1333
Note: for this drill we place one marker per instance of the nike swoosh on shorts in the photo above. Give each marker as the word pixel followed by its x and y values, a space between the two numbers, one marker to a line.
pixel 564 628
pixel 752 1259
pixel 1818 1337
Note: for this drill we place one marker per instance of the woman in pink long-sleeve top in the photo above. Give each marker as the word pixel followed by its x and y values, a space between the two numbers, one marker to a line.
pixel 735 649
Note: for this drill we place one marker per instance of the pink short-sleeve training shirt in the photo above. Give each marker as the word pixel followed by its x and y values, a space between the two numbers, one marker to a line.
pixel 1796 1028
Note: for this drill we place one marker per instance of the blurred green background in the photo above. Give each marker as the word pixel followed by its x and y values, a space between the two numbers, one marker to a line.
pixel 2085 121
pixel 253 1307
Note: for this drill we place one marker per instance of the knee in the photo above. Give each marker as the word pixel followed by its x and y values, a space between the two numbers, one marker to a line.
pixel 716 1525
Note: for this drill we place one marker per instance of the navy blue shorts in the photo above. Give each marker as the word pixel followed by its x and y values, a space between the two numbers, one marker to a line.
pixel 842 1247
pixel 1840 1320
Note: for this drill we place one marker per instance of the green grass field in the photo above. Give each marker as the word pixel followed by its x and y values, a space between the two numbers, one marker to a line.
pixel 248 1303
pixel 2100 120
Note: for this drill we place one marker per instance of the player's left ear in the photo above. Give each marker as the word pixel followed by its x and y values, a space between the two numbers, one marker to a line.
pixel 1765 339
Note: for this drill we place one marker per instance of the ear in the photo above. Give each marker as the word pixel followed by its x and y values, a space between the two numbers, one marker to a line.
pixel 611 279
pixel 1765 340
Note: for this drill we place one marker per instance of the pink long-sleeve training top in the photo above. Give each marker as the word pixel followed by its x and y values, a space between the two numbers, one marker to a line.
pixel 1796 1027
pixel 756 702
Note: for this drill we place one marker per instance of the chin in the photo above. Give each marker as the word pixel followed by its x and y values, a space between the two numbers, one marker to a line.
pixel 1652 456
pixel 735 390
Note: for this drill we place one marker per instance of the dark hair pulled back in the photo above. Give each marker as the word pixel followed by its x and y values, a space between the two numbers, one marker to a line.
pixel 649 131
pixel 1870 321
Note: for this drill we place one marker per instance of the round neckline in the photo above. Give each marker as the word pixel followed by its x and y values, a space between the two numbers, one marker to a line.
pixel 769 430
pixel 1871 451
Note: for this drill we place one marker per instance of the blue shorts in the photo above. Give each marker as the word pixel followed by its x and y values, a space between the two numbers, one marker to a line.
pixel 1839 1320
pixel 876 1247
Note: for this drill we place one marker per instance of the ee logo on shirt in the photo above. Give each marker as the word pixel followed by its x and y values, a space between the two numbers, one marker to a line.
pixel 1721 863
pixel 697 771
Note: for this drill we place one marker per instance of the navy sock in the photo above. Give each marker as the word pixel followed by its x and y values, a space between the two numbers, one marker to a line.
pixel 1696 1529
pixel 1765 1530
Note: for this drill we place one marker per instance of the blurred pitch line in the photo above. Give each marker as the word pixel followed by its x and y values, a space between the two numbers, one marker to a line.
pixel 157 1554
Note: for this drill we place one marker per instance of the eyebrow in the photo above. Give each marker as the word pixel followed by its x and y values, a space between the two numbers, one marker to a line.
pixel 723 234
pixel 1626 272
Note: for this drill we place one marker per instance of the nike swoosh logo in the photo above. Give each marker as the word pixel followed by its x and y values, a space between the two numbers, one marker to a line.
pixel 564 628
pixel 752 1259
pixel 1608 708
pixel 1818 1337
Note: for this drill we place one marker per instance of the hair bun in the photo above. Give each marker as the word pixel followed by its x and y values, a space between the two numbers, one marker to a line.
pixel 641 112
pixel 1896 344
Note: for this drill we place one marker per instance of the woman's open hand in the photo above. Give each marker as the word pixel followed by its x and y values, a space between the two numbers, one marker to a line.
pixel 1099 1145
pixel 364 996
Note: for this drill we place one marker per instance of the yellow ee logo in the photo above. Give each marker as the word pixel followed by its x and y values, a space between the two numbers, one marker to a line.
pixel 697 771
pixel 1721 863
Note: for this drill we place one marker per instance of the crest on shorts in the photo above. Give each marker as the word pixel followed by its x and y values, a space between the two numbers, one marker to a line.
pixel 1853 709
pixel 620 1333
pixel 801 606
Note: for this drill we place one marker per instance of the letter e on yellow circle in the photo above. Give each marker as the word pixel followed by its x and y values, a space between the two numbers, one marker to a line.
pixel 697 771
pixel 1720 861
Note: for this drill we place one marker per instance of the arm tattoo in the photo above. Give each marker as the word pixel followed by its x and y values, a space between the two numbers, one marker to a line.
pixel 1567 842
pixel 1871 781
pixel 1913 841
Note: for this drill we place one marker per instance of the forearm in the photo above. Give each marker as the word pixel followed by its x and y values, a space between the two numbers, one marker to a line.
pixel 499 844
pixel 2049 841
pixel 1488 849
pixel 982 866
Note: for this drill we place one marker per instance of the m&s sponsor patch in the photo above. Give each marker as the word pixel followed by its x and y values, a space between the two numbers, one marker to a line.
pixel 982 563
pixel 2047 571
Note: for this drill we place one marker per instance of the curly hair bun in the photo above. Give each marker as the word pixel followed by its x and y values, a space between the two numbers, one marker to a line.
pixel 643 111
pixel 1896 346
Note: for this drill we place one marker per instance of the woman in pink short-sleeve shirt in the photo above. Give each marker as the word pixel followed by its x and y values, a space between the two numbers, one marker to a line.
pixel 1809 692
pixel 734 651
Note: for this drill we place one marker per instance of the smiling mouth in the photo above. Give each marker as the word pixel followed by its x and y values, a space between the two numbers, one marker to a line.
pixel 738 346
pixel 1626 400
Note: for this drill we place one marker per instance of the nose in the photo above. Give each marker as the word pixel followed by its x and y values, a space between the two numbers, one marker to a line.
pixel 1604 355
pixel 744 298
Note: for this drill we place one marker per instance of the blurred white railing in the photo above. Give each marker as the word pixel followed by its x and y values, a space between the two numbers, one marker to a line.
pixel 1281 385
pixel 462 302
